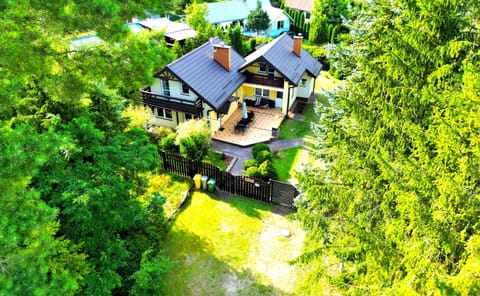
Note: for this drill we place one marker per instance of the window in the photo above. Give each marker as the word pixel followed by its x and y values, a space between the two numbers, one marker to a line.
pixel 265 68
pixel 303 82
pixel 189 116
pixel 165 87
pixel 185 89
pixel 280 25
pixel 163 113
pixel 259 92
pixel 279 94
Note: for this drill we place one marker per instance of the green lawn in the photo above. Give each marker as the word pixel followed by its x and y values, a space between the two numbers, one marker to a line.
pixel 293 128
pixel 232 247
pixel 290 160
pixel 216 159
pixel 284 162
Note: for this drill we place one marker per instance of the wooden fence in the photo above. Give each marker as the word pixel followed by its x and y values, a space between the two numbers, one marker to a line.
pixel 272 191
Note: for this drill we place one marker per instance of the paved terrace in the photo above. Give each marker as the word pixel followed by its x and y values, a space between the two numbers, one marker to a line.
pixel 259 130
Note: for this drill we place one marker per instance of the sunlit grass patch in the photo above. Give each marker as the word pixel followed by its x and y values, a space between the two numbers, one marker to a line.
pixel 231 247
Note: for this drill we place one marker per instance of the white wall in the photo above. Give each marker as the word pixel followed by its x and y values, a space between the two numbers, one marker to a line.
pixel 175 90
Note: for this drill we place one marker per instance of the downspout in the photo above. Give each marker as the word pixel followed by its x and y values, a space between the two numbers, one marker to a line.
pixel 288 99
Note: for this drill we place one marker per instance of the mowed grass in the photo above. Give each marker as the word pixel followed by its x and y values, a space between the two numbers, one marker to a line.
pixel 284 162
pixel 293 128
pixel 232 247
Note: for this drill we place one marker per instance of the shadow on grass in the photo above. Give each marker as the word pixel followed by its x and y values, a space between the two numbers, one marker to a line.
pixel 245 205
pixel 198 271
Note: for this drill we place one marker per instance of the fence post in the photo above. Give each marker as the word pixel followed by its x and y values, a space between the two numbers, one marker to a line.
pixel 164 160
pixel 270 188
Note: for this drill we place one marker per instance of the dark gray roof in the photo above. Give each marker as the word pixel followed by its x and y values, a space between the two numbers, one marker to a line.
pixel 279 53
pixel 207 78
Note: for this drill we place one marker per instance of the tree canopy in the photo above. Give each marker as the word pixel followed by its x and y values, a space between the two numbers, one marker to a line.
pixel 72 166
pixel 258 19
pixel 395 211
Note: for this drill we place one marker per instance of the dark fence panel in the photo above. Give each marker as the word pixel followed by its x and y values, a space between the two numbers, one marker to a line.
pixel 272 191
pixel 283 193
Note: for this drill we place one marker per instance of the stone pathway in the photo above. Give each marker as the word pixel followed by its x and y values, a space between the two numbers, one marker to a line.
pixel 244 153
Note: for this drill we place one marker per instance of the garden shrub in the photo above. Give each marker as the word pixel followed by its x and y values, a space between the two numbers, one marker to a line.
pixel 253 172
pixel 264 155
pixel 167 143
pixel 161 131
pixel 194 147
pixel 267 170
pixel 193 139
pixel 250 163
pixel 259 147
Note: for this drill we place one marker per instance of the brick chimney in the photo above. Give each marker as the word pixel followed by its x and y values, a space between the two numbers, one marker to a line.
pixel 297 44
pixel 221 54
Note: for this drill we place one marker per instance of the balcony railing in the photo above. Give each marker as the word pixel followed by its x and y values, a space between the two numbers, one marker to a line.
pixel 176 104
pixel 264 79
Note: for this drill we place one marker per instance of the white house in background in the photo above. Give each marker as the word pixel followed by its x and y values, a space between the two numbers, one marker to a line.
pixel 173 31
pixel 236 11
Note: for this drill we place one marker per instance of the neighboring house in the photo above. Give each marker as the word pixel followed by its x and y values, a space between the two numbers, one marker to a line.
pixel 236 11
pixel 304 6
pixel 173 31
pixel 212 80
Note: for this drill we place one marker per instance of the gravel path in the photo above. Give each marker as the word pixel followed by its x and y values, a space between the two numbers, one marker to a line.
pixel 244 153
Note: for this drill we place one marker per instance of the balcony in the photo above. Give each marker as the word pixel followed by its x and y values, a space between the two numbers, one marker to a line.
pixel 176 104
pixel 264 79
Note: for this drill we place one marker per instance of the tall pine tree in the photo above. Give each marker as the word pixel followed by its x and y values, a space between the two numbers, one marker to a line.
pixel 396 210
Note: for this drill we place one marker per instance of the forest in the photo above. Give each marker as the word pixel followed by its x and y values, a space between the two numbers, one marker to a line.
pixel 396 209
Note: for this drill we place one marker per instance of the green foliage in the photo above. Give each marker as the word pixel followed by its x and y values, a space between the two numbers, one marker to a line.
pixel 264 155
pixel 194 147
pixel 70 218
pixel 258 19
pixel 259 147
pixel 162 131
pixel 217 159
pixel 137 115
pixel 168 143
pixel 193 138
pixel 252 162
pixel 253 172
pixel 35 258
pixel 177 49
pixel 196 13
pixel 235 37
pixel 327 20
pixel 267 170
pixel 396 209
pixel 150 278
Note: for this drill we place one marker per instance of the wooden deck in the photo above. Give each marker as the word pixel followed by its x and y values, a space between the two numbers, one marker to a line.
pixel 259 130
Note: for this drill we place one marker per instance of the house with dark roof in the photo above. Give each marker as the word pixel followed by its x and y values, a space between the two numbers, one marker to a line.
pixel 213 80
pixel 201 84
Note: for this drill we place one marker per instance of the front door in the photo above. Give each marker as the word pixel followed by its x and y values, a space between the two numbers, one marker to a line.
pixel 279 100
